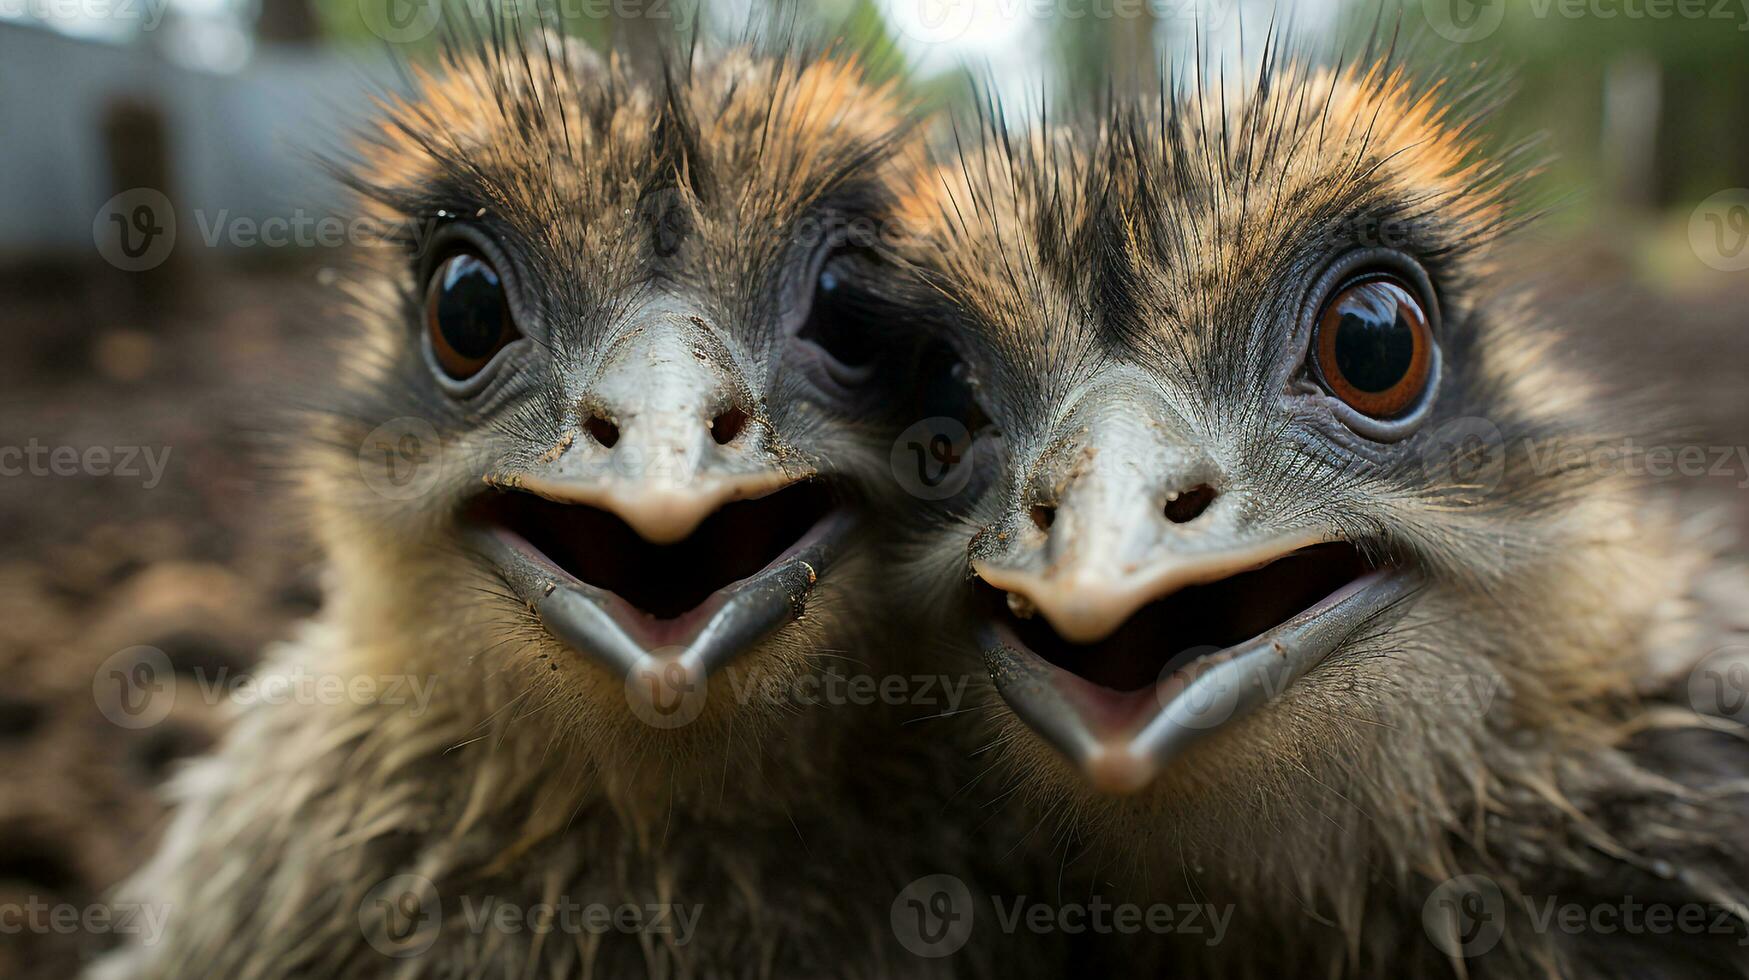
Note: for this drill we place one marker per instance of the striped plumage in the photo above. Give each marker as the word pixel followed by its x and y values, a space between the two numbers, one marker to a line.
pixel 706 192
pixel 1127 289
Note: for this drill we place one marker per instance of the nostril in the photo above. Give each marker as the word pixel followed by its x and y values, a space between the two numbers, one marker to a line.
pixel 1043 516
pixel 726 426
pixel 1184 506
pixel 602 431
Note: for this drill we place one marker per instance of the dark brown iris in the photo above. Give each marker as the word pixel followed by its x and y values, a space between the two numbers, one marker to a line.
pixel 1374 347
pixel 467 315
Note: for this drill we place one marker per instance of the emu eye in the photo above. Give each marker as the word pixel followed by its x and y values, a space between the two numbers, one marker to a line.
pixel 467 315
pixel 944 389
pixel 1373 347
pixel 840 317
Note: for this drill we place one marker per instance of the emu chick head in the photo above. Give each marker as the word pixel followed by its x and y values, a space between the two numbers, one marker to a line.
pixel 591 453
pixel 1268 537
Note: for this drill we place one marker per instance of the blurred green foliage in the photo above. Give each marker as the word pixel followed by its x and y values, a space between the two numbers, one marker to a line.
pixel 1676 131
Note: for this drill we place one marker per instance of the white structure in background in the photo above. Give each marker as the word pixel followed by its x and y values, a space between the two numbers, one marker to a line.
pixel 240 142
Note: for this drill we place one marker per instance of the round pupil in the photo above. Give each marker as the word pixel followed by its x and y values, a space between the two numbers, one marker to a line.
pixel 1375 344
pixel 836 322
pixel 470 307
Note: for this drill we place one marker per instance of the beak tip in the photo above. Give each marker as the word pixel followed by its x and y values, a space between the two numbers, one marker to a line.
pixel 1117 769
pixel 663 516
pixel 1082 614
pixel 659 525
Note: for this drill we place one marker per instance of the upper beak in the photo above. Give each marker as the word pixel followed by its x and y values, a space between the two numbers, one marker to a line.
pixel 1127 509
pixel 666 437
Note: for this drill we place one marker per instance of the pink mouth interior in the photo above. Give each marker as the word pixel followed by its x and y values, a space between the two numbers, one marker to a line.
pixel 1172 632
pixel 668 586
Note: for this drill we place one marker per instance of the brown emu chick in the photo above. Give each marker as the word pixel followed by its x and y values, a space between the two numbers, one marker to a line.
pixel 589 475
pixel 1292 597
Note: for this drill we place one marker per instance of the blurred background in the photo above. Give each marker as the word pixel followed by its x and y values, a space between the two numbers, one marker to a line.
pixel 165 234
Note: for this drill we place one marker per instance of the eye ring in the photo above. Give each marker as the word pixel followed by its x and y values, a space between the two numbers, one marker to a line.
pixel 1372 347
pixel 468 313
pixel 829 338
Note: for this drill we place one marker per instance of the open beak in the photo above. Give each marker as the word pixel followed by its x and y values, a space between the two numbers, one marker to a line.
pixel 652 539
pixel 1123 626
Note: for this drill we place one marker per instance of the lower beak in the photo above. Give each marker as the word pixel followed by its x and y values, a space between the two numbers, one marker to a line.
pixel 671 650
pixel 1122 740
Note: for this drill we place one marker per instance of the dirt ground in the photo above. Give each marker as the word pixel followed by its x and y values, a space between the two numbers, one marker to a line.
pixel 206 566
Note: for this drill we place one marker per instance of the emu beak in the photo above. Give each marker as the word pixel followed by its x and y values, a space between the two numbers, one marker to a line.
pixel 666 533
pixel 1146 608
